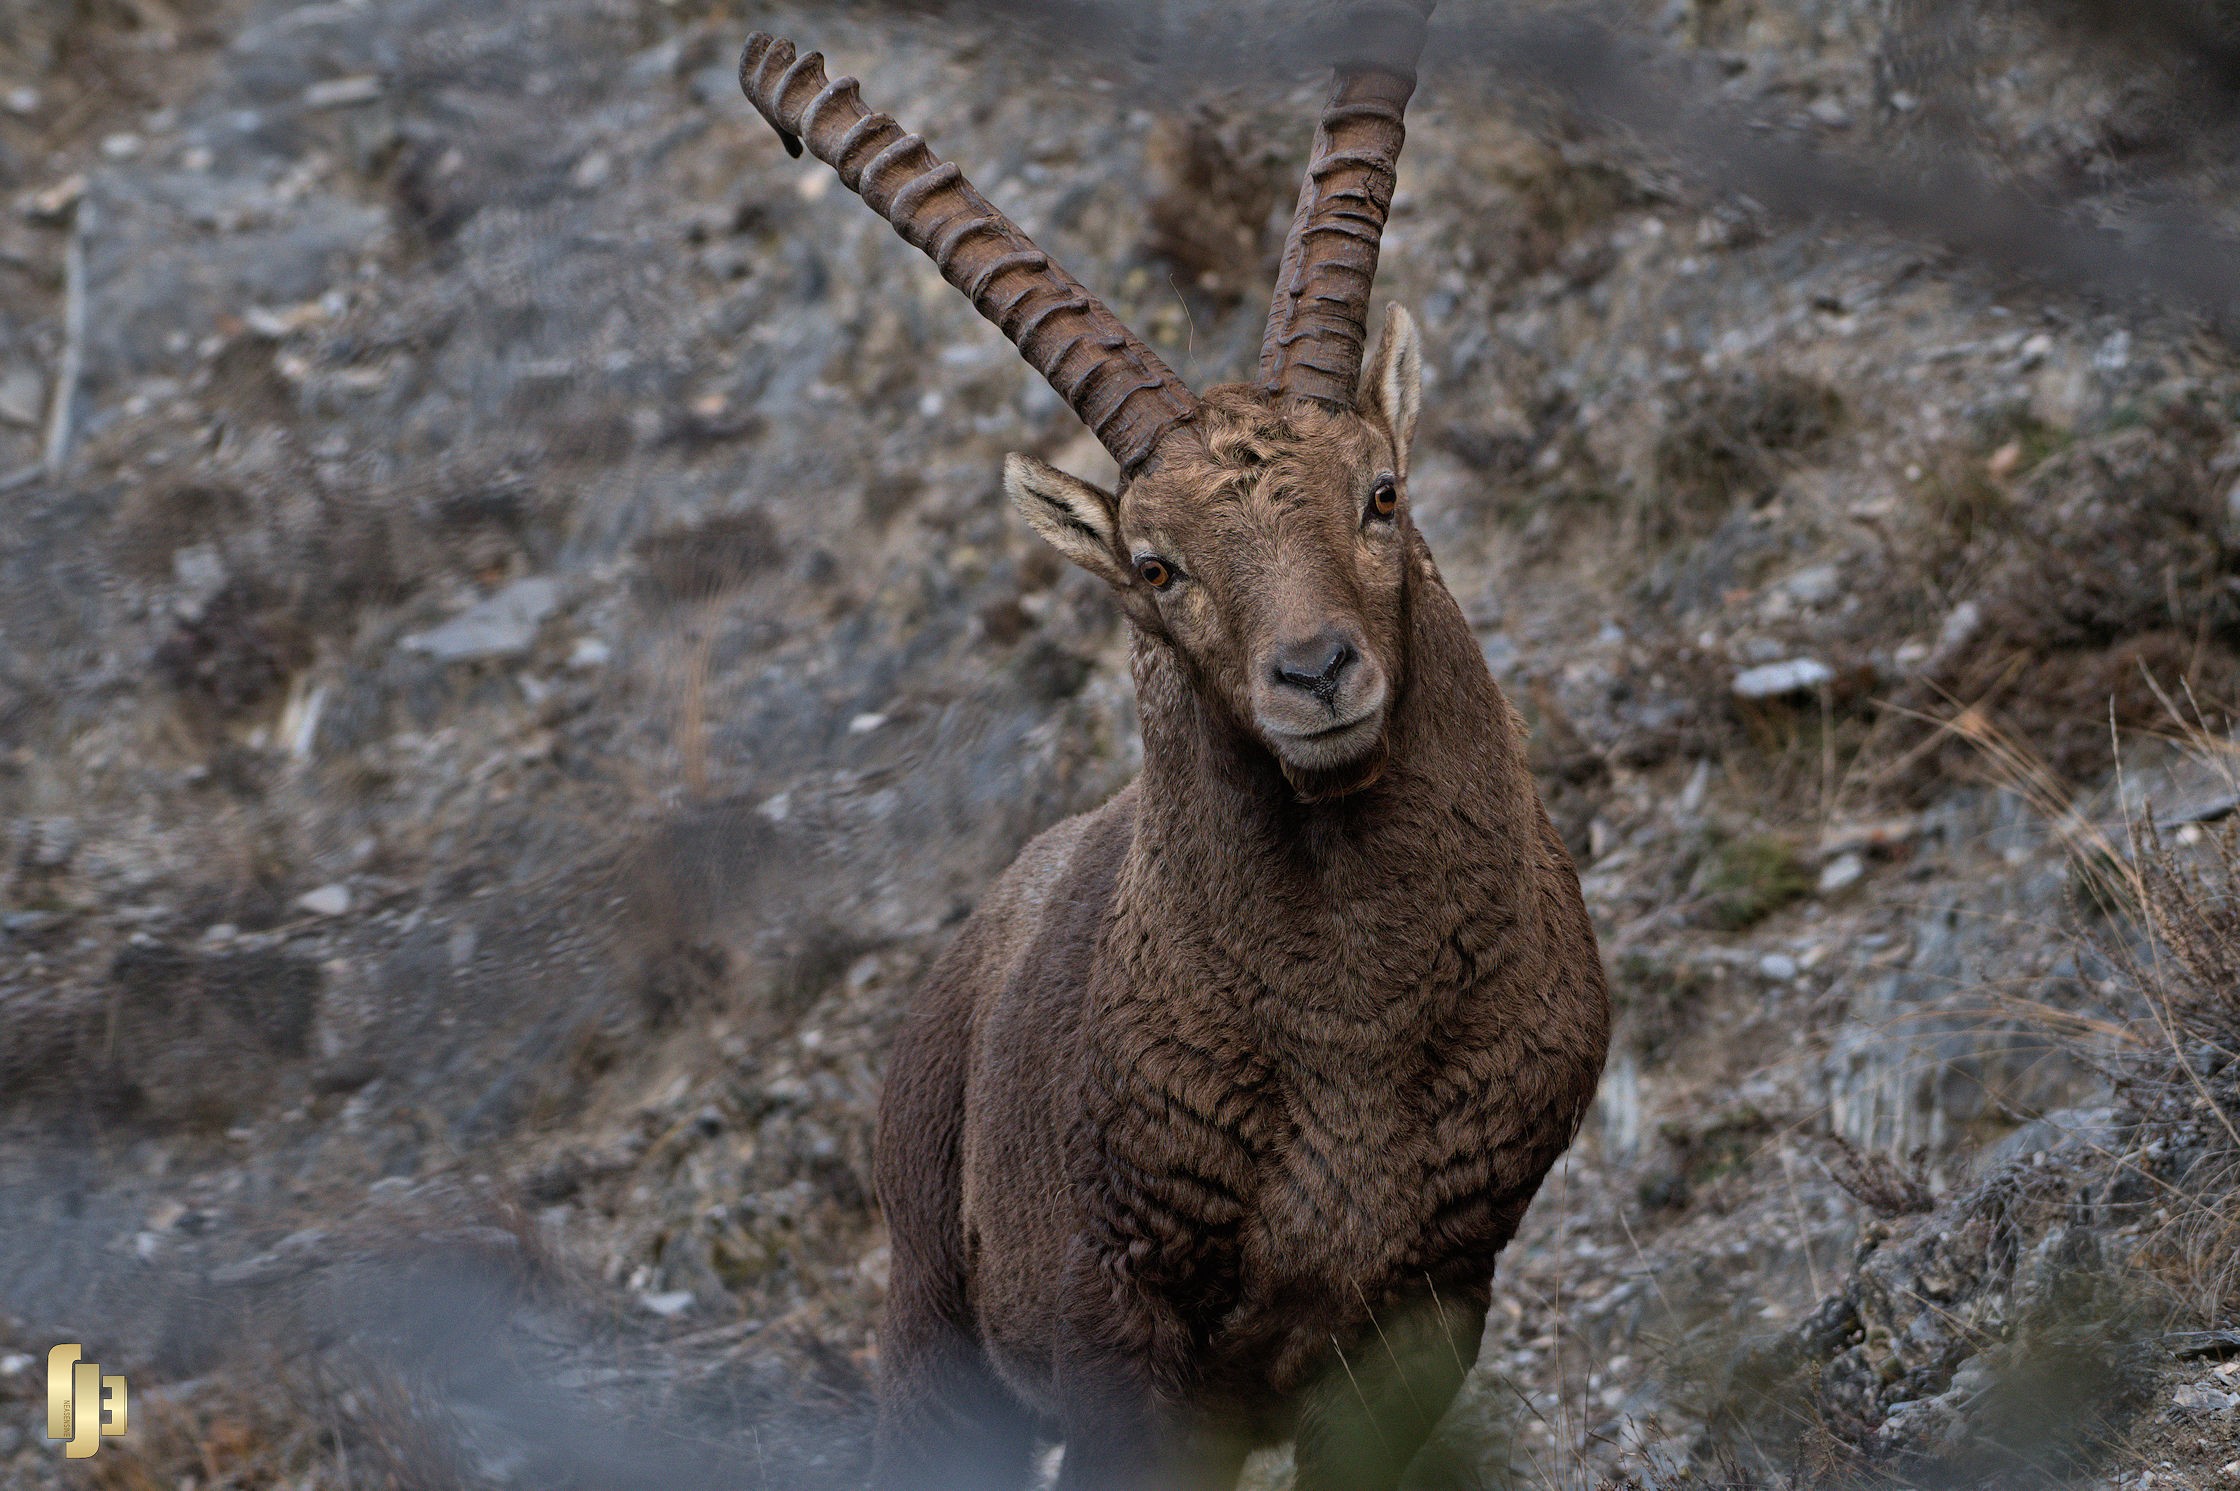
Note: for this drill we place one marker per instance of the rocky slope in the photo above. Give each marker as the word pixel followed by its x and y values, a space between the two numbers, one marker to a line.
pixel 516 658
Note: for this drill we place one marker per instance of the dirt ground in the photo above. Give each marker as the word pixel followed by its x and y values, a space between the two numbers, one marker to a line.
pixel 513 658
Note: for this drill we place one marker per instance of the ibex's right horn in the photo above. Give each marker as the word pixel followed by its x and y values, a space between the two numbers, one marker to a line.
pixel 1320 321
pixel 1119 387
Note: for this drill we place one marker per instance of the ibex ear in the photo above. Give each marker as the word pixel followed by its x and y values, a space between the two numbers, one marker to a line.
pixel 1075 516
pixel 1393 389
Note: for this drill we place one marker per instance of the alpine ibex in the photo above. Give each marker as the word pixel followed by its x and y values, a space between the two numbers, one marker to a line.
pixel 1206 1131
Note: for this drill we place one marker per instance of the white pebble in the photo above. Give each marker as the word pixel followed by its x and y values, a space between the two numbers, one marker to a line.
pixel 1841 873
pixel 342 92
pixel 327 900
pixel 1774 680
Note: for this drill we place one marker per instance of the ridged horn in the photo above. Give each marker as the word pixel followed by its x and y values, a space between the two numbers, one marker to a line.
pixel 1319 324
pixel 1127 396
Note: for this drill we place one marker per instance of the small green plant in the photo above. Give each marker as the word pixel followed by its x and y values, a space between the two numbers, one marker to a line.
pixel 1745 880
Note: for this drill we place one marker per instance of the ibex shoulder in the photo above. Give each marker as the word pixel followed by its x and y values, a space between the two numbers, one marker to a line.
pixel 1041 895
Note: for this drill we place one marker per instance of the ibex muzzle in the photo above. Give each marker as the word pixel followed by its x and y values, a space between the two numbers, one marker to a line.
pixel 1207 1129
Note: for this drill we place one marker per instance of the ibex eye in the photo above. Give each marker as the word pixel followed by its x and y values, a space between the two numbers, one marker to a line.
pixel 1155 572
pixel 1385 500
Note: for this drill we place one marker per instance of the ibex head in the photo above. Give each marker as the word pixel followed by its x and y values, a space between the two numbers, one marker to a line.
pixel 1268 546
pixel 1261 531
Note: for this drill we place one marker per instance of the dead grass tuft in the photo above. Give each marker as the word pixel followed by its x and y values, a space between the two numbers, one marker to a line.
pixel 1730 442
pixel 236 656
pixel 2164 919
pixel 1217 185
pixel 706 560
pixel 2183 967
pixel 1880 1183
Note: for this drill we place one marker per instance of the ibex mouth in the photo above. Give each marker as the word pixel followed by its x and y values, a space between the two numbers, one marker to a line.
pixel 1333 731
pixel 1334 748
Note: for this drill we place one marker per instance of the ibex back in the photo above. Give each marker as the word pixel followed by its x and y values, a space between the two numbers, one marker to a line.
pixel 1207 1130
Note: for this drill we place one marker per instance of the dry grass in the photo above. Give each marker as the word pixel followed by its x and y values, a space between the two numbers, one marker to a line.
pixel 1730 441
pixel 2160 911
pixel 214 1435
pixel 1879 1183
pixel 2184 1085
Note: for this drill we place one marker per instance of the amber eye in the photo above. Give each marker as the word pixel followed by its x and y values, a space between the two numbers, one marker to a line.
pixel 1155 572
pixel 1385 501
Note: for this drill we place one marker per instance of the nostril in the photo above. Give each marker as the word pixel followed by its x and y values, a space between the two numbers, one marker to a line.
pixel 1315 666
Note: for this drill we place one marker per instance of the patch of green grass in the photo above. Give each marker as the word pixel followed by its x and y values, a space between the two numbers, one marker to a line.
pixel 1722 1147
pixel 1745 880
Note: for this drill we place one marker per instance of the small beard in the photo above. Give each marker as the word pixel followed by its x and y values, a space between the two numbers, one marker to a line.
pixel 1327 784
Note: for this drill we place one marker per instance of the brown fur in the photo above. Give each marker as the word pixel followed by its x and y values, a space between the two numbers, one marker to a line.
pixel 1208 1129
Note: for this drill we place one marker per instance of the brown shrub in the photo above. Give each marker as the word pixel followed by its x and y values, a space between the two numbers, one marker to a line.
pixel 1727 442
pixel 1216 187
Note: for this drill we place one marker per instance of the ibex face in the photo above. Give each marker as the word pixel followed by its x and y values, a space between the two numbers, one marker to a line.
pixel 1267 545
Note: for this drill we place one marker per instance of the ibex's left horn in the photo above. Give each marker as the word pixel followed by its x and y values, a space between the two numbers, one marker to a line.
pixel 1320 321
pixel 1119 387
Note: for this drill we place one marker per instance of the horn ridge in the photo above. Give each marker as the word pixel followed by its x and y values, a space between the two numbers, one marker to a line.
pixel 977 249
pixel 905 201
pixel 1318 325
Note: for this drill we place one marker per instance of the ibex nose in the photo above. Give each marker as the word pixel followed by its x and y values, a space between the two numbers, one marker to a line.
pixel 1316 665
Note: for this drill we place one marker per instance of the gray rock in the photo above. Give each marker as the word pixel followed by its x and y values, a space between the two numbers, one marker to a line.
pixel 340 93
pixel 201 572
pixel 327 900
pixel 1920 1424
pixel 1960 627
pixel 23 395
pixel 2204 1399
pixel 53 841
pixel 503 626
pixel 1778 680
pixel 2070 1128
pixel 1841 873
pixel 1815 586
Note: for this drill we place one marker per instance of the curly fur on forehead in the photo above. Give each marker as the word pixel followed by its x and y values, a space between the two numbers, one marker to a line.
pixel 1244 431
pixel 1254 447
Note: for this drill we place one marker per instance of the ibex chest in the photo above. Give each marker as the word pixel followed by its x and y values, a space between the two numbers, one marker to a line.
pixel 1355 1209
pixel 1303 1190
